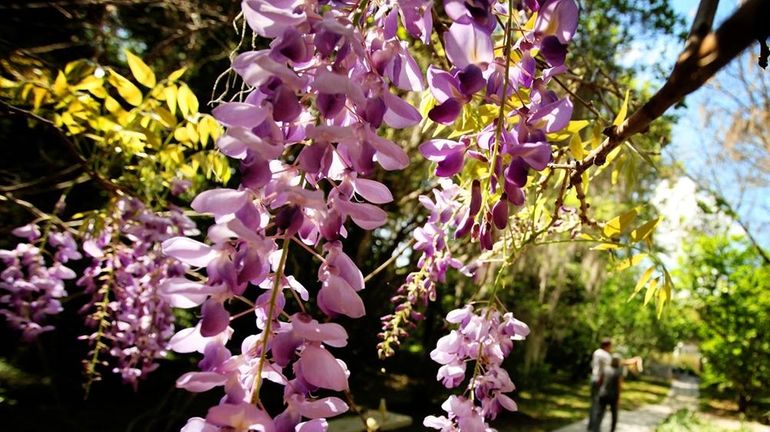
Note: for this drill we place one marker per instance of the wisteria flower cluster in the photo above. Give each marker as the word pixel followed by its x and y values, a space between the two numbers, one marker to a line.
pixel 484 339
pixel 434 262
pixel 306 136
pixel 507 148
pixel 309 135
pixel 32 283
pixel 132 319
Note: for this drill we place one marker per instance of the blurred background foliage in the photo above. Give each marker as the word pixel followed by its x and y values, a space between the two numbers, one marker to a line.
pixel 81 116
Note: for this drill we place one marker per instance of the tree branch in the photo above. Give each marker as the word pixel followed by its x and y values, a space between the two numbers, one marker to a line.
pixel 702 57
pixel 71 147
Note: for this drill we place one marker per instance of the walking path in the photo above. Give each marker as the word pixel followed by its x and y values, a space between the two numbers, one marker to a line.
pixel 683 394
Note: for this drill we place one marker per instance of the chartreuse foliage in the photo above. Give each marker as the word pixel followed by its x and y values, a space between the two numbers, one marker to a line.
pixel 142 134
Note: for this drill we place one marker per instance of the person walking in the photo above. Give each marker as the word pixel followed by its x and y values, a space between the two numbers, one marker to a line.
pixel 609 393
pixel 600 359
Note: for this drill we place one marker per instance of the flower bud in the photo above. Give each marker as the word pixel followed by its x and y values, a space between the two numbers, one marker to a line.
pixel 500 213
pixel 475 205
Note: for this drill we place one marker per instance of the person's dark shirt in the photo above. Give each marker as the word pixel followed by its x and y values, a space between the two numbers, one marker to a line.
pixel 610 388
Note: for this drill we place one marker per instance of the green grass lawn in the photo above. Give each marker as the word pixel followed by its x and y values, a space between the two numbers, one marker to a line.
pixel 724 404
pixel 558 404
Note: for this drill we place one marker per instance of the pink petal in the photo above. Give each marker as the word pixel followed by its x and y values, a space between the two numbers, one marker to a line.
pixel 345 268
pixel 220 201
pixel 189 251
pixel 389 155
pixel 404 72
pixel 507 402
pixel 372 191
pixel 214 319
pixel 271 20
pixel 554 116
pixel 256 67
pixel 331 334
pixel 437 150
pixel 442 84
pixel 336 296
pixel 537 155
pixel 399 113
pixel 332 83
pixel 184 293
pixel 367 216
pixel 326 407
pixel 198 382
pixel 239 114
pixel 467 44
pixel 241 417
pixel 558 18
pixel 315 425
pixel 319 368
pixel 190 340
pixel 197 424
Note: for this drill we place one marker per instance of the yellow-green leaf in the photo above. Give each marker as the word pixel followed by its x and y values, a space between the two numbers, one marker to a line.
pixel 606 246
pixel 576 147
pixel 126 89
pixel 166 118
pixel 664 294
pixel 112 105
pixel 176 74
pixel 188 103
pixel 630 261
pixel 645 230
pixel 181 135
pixel 643 279
pixel 170 94
pixel 576 126
pixel 619 224
pixel 651 288
pixel 60 84
pixel 621 117
pixel 143 74
pixel 192 132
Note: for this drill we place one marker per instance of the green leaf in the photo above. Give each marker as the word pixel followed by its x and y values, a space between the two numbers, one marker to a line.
pixel 143 74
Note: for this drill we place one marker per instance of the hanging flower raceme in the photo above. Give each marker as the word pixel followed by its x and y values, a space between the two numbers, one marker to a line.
pixel 132 319
pixel 306 136
pixel 32 283
pixel 505 149
pixel 483 339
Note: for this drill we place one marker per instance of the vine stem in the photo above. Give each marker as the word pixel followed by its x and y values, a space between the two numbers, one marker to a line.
pixel 390 260
pixel 271 310
pixel 501 115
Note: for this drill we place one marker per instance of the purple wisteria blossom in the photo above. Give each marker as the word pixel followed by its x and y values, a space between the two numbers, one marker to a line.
pixel 128 277
pixel 31 286
pixel 307 139
pixel 484 338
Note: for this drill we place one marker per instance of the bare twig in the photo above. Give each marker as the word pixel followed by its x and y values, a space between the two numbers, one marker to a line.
pixel 390 260
pixel 705 53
